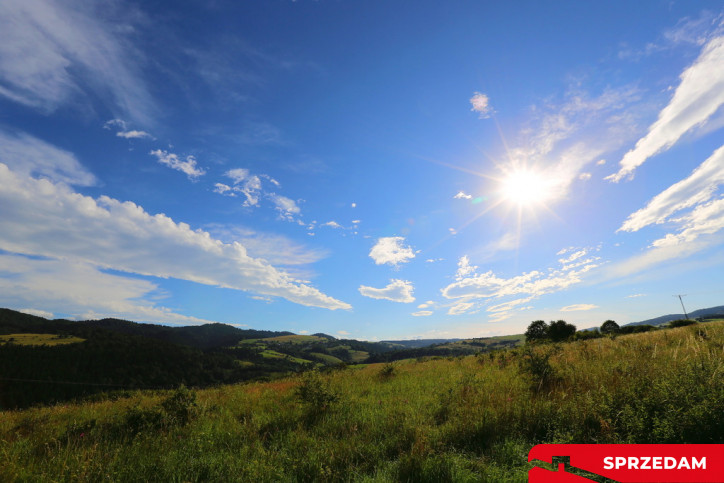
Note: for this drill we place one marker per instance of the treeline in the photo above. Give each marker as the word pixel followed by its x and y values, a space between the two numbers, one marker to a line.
pixel 559 331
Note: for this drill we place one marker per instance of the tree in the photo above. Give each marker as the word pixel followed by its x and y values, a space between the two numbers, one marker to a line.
pixel 609 327
pixel 560 330
pixel 537 330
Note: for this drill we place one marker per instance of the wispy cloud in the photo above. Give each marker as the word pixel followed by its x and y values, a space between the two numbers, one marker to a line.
pixel 565 137
pixel 45 43
pixel 422 313
pixel 391 250
pixel 47 219
pixel 699 95
pixel 81 290
pixel 396 291
pixel 122 130
pixel 187 166
pixel 697 188
pixel 578 307
pixel 28 155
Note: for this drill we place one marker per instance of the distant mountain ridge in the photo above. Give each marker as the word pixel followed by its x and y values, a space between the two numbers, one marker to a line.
pixel 719 310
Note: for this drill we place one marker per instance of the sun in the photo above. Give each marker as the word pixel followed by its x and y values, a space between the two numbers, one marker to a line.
pixel 526 187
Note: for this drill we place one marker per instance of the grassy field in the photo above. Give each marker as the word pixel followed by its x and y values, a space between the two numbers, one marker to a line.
pixel 447 419
pixel 38 339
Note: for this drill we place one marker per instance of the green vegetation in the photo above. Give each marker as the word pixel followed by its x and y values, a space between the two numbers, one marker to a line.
pixel 470 418
pixel 39 339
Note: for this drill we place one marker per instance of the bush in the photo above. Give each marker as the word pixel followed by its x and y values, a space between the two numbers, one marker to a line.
pixel 315 392
pixel 681 323
pixel 180 407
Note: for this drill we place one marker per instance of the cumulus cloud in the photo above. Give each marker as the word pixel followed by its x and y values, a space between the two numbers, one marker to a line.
pixel 287 207
pixel 471 288
pixel 28 155
pixel 578 307
pixel 699 95
pixel 481 104
pixel 396 291
pixel 45 43
pixel 462 196
pixel 391 250
pixel 187 166
pixel 43 218
pixel 464 268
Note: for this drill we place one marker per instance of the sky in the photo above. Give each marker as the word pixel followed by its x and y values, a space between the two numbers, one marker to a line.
pixel 371 170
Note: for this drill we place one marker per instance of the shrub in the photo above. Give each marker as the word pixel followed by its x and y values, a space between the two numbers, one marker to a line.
pixel 681 323
pixel 180 407
pixel 387 371
pixel 536 364
pixel 315 392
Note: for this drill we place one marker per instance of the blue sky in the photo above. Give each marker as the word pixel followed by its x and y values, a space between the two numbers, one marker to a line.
pixel 371 170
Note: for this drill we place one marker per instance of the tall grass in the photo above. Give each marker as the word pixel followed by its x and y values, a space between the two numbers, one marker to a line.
pixel 456 419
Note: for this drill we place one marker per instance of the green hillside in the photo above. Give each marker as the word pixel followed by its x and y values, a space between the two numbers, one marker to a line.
pixel 470 418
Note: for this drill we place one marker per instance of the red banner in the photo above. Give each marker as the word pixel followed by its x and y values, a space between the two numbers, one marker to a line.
pixel 627 463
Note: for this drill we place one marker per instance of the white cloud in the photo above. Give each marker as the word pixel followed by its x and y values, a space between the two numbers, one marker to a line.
pixel 276 249
pixel 585 176
pixel 565 137
pixel 471 288
pixel 462 196
pixel 188 167
pixel 332 224
pixel 636 295
pixel 426 305
pixel 287 207
pixel 47 219
pixel 422 313
pixel 464 268
pixel 699 95
pixel 396 291
pixel 38 313
pixel 223 189
pixel 133 134
pixel 699 187
pixel 45 44
pixel 706 219
pixel 578 307
pixel 81 290
pixel 460 308
pixel 391 250
pixel 124 132
pixel 28 155
pixel 481 104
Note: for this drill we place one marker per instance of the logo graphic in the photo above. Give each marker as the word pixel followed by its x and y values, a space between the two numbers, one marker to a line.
pixel 627 463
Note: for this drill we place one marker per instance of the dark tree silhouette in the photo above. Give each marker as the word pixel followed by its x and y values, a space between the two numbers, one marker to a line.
pixel 537 330
pixel 560 330
pixel 609 327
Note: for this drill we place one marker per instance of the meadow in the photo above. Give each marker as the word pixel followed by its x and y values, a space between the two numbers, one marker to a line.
pixel 471 418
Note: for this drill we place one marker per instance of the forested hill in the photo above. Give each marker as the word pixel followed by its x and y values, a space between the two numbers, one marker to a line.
pixel 711 312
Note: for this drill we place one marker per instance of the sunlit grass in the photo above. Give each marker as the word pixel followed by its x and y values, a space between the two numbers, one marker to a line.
pixel 39 339
pixel 447 419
